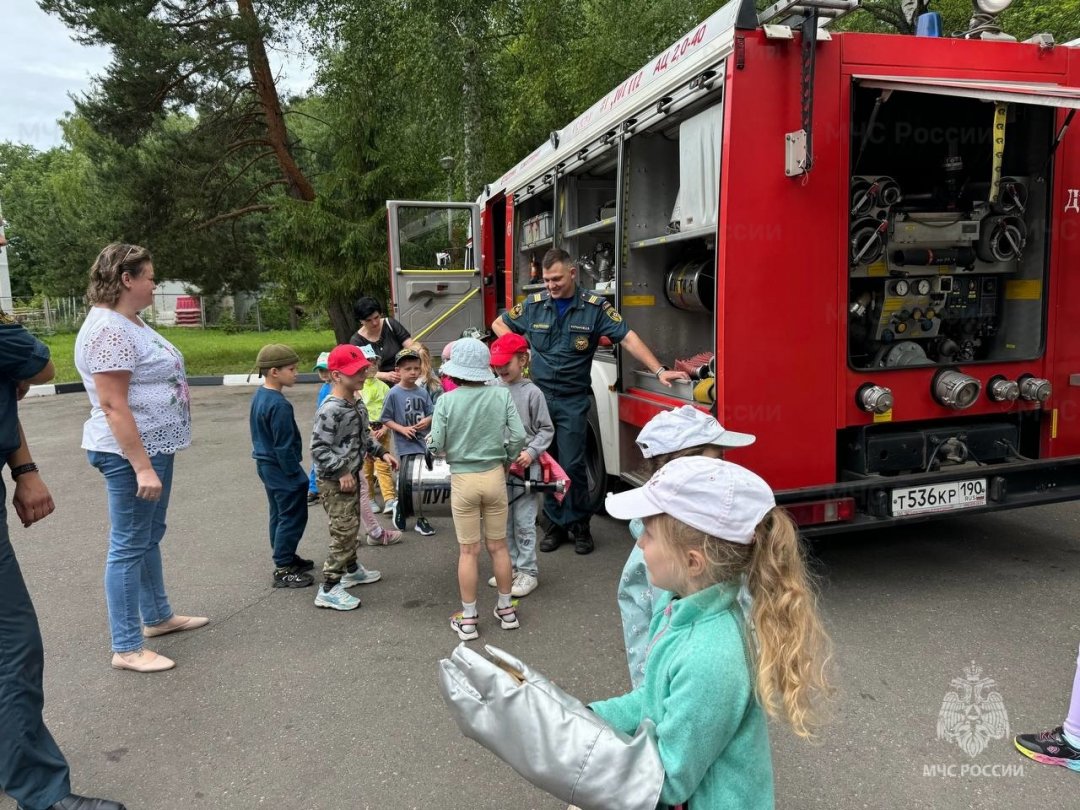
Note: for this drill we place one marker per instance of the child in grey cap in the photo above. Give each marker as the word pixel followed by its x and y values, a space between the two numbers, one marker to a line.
pixel 669 435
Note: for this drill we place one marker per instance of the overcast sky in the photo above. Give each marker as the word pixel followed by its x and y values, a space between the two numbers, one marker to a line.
pixel 41 67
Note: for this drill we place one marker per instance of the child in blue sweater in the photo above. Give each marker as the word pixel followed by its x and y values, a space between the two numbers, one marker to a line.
pixel 708 525
pixel 278 453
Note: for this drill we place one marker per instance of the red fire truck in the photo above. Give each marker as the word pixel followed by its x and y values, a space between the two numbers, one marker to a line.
pixel 865 248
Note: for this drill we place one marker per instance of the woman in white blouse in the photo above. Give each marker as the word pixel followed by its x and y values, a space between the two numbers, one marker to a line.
pixel 140 417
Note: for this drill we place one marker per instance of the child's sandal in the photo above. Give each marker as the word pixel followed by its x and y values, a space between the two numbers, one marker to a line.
pixel 464 625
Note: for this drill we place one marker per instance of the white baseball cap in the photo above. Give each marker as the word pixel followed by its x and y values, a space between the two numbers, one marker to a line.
pixel 685 427
pixel 714 496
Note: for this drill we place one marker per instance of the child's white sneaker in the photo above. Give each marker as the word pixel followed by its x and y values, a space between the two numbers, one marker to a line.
pixel 524 584
pixel 336 598
pixel 361 576
pixel 388 507
pixel 495 584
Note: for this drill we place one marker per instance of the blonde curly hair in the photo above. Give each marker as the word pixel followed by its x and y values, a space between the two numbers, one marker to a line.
pixel 793 648
pixel 106 273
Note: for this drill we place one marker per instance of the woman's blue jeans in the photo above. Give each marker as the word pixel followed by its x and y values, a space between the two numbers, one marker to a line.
pixel 134 584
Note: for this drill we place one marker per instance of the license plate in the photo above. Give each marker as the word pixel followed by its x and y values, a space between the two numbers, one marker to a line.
pixel 939 497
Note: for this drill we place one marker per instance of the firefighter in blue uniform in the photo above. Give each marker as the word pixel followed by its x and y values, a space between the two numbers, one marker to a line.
pixel 564 326
pixel 32 769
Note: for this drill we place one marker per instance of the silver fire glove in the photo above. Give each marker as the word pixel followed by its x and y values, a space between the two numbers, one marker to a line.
pixel 548 736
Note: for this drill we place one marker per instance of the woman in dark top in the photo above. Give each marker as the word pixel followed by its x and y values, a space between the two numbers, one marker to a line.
pixel 385 335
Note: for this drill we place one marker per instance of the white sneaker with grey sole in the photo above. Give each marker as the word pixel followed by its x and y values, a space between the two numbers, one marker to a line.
pixel 361 576
pixel 337 598
pixel 494 584
pixel 524 584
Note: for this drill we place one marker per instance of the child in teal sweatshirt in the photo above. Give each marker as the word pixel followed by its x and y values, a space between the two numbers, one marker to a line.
pixel 709 523
pixel 479 430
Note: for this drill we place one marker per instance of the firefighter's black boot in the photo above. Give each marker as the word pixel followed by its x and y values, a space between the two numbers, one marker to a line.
pixel 556 535
pixel 582 537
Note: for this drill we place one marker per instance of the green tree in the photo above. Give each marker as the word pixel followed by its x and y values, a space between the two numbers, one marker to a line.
pixel 1058 17
pixel 188 120
pixel 59 216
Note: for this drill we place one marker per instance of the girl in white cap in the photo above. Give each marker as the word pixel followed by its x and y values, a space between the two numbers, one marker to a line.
pixel 681 432
pixel 708 525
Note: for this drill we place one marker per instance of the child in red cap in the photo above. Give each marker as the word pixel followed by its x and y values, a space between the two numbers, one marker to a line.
pixel 509 358
pixel 340 439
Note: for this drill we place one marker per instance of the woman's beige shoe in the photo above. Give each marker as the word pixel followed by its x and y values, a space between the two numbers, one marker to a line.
pixel 175 625
pixel 142 661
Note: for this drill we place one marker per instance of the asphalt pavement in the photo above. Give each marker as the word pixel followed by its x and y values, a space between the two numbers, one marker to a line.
pixel 280 704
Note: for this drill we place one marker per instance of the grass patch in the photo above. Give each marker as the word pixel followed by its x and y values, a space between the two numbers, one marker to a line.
pixel 207 351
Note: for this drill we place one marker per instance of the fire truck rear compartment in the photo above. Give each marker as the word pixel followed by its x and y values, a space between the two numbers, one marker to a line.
pixel 943 268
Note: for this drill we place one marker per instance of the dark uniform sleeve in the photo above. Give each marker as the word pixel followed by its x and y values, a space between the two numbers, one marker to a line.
pixel 21 357
pixel 610 323
pixel 21 354
pixel 515 318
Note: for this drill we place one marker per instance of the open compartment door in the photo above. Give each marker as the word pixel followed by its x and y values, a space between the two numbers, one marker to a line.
pixel 436 283
pixel 1043 95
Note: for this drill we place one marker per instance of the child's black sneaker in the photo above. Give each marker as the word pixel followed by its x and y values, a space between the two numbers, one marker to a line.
pixel 1049 748
pixel 399 519
pixel 423 527
pixel 301 564
pixel 291 577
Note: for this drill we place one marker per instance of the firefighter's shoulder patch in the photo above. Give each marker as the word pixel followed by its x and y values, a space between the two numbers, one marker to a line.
pixel 517 310
pixel 612 313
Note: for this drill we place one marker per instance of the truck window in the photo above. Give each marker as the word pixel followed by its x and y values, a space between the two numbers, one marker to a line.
pixel 434 238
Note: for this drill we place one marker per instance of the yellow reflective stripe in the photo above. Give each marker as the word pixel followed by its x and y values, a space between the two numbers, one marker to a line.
pixel 447 314
pixel 435 271
pixel 998 154
pixel 1029 289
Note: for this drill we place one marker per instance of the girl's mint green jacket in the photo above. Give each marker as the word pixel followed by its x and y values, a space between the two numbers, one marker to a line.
pixel 699 691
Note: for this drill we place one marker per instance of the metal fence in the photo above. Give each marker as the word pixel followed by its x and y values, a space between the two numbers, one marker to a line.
pixel 51 314
pixel 47 315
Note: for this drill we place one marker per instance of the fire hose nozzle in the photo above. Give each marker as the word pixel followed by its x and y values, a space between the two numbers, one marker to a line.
pixel 537 486
pixel 1034 389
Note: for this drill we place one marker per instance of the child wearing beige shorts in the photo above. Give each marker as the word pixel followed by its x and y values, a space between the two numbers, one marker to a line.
pixel 478 428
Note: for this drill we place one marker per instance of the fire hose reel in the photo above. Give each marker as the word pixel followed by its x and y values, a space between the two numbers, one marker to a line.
pixel 1001 238
pixel 691 285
